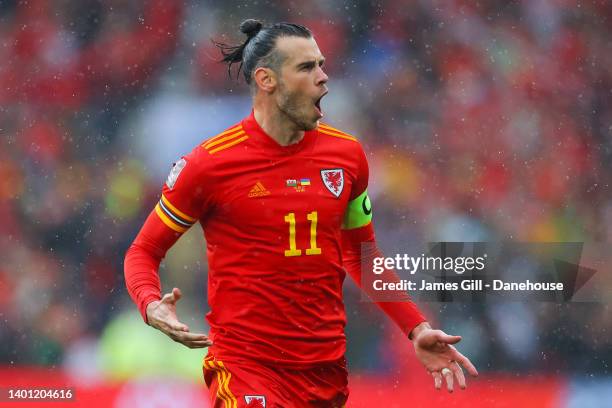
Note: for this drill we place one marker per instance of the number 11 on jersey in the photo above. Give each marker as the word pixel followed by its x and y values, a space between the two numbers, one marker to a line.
pixel 293 251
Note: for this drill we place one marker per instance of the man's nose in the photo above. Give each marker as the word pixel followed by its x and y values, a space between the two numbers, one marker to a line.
pixel 322 77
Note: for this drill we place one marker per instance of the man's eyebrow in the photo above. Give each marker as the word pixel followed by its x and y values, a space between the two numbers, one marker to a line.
pixel 310 63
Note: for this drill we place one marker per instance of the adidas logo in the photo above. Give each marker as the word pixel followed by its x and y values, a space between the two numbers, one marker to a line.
pixel 258 190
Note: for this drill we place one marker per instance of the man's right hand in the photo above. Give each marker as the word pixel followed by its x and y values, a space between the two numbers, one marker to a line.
pixel 161 314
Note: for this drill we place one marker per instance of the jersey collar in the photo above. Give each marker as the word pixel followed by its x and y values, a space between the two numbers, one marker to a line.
pixel 252 128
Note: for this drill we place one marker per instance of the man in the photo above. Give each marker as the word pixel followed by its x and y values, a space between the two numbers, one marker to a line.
pixel 282 199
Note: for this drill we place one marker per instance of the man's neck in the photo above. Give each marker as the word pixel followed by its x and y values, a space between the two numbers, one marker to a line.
pixel 277 126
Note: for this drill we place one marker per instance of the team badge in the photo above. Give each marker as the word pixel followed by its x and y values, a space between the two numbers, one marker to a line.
pixel 333 180
pixel 255 401
pixel 175 172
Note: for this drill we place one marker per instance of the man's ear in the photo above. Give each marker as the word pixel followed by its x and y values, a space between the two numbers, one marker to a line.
pixel 265 78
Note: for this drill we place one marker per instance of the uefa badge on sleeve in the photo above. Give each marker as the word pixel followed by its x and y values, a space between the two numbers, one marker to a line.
pixel 333 179
pixel 175 172
pixel 255 401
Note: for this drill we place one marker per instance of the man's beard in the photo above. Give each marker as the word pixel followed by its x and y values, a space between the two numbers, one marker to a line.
pixel 291 106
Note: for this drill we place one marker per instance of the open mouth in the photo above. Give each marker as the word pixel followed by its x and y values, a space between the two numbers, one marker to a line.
pixel 317 104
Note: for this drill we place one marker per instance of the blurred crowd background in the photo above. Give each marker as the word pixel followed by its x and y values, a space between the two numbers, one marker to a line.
pixel 483 121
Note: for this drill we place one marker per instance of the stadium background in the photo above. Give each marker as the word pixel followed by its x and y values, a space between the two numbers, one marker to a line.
pixel 487 120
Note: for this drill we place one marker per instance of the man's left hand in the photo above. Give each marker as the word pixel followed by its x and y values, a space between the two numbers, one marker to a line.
pixel 435 350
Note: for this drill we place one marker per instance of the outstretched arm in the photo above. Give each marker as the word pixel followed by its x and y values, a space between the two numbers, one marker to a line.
pixel 433 348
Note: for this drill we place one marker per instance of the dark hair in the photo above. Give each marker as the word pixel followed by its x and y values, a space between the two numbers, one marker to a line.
pixel 259 47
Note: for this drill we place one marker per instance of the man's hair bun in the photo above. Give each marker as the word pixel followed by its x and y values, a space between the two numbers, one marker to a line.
pixel 250 27
pixel 251 52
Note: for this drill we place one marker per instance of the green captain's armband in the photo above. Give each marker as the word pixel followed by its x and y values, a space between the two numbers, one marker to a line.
pixel 358 212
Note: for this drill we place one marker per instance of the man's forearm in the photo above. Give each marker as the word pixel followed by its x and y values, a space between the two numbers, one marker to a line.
pixel 403 311
pixel 142 277
pixel 142 261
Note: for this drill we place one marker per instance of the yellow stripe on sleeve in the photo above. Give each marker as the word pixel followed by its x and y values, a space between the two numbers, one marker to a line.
pixel 176 210
pixel 228 131
pixel 229 144
pixel 334 134
pixel 333 129
pixel 171 224
pixel 224 139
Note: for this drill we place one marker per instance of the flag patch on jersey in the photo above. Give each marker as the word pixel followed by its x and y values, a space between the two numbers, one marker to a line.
pixel 175 172
pixel 255 401
pixel 258 190
pixel 298 185
pixel 333 179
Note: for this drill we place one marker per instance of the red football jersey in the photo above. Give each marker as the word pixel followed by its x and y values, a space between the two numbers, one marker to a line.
pixel 272 217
